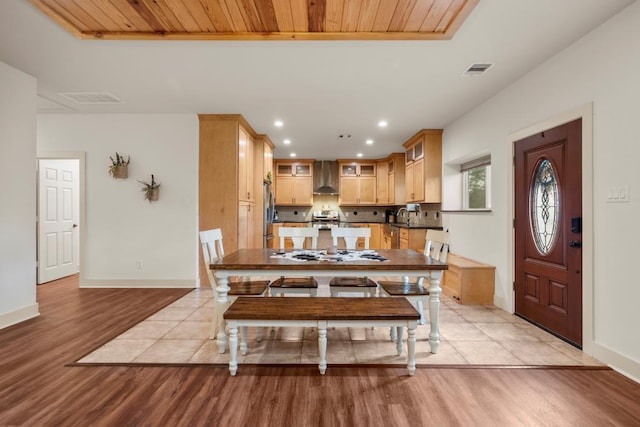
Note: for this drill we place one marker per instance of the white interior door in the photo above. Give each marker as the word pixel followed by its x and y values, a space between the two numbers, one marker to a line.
pixel 58 215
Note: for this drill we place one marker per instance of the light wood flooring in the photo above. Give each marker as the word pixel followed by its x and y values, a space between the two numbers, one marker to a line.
pixel 38 388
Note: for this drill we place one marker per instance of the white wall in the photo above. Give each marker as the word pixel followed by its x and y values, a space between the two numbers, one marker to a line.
pixel 603 68
pixel 18 196
pixel 120 226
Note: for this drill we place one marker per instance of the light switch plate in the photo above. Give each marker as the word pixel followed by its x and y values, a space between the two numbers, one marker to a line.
pixel 618 194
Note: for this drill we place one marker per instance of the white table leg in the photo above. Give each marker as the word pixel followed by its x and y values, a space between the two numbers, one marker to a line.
pixel 322 346
pixel 411 349
pixel 244 348
pixel 259 334
pixel 399 339
pixel 434 314
pixel 393 333
pixel 221 303
pixel 233 347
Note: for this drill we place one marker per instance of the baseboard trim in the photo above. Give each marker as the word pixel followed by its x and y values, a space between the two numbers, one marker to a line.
pixel 137 283
pixel 621 363
pixel 19 315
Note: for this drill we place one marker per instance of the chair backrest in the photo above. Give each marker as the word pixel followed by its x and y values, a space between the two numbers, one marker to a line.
pixel 437 245
pixel 212 250
pixel 351 235
pixel 298 236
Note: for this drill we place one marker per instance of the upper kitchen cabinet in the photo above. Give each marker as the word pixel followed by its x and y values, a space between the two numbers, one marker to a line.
pixel 390 180
pixel 294 182
pixel 357 183
pixel 423 167
pixel 267 156
pixel 230 181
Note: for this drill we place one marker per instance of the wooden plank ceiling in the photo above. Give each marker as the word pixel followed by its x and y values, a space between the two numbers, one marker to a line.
pixel 259 19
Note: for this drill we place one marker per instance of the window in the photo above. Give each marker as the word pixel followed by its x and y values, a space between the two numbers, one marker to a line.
pixel 476 181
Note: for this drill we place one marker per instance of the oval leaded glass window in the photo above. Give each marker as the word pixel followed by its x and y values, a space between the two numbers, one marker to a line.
pixel 545 206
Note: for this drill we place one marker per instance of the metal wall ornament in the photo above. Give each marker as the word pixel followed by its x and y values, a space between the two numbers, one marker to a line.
pixel 545 206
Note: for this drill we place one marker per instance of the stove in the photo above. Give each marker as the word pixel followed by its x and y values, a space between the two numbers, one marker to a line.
pixel 325 219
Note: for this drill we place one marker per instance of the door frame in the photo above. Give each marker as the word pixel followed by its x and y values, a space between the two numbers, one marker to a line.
pixel 80 156
pixel 584 112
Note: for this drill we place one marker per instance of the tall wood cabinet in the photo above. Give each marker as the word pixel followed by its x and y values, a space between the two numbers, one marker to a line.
pixel 231 166
pixel 357 183
pixel 390 180
pixel 423 167
pixel 294 182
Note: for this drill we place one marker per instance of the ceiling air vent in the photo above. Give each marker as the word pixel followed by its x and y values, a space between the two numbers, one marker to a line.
pixel 91 97
pixel 476 69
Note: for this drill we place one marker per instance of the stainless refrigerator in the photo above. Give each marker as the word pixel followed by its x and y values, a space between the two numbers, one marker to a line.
pixel 268 214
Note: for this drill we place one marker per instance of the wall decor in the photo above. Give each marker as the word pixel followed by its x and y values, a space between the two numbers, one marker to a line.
pixel 151 190
pixel 119 168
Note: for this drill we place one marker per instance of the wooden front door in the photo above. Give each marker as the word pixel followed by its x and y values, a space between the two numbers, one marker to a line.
pixel 548 230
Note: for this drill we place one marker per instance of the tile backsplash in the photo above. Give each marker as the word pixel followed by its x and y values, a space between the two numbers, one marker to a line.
pixel 429 214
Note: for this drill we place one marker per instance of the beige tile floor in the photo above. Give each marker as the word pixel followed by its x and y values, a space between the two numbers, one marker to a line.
pixel 470 335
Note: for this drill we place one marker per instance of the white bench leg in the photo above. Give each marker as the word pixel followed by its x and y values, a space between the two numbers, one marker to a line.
pixel 411 350
pixel 259 334
pixel 233 347
pixel 322 346
pixel 399 340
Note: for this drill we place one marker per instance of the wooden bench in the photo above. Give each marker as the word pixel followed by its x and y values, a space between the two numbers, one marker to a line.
pixel 468 281
pixel 322 313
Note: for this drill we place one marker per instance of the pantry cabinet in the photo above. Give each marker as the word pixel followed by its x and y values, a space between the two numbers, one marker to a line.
pixel 230 181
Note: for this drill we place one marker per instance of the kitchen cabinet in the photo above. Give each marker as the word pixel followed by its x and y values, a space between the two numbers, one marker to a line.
pixel 230 184
pixel 357 183
pixel 413 238
pixel 267 157
pixel 468 281
pixel 390 180
pixel 247 232
pixel 245 166
pixel 294 183
pixel 376 236
pixel 423 167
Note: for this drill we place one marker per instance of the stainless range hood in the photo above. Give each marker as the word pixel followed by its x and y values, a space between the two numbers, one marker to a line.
pixel 325 177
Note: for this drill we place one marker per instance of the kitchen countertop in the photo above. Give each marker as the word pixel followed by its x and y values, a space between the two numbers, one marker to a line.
pixel 393 224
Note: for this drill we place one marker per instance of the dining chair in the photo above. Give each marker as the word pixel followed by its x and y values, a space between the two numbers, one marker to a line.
pixel 363 285
pixel 436 247
pixel 296 285
pixel 212 250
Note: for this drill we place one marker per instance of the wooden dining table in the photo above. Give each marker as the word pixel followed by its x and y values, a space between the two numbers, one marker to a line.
pixel 247 263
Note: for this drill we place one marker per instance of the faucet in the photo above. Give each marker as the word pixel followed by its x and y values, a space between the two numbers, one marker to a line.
pixel 403 209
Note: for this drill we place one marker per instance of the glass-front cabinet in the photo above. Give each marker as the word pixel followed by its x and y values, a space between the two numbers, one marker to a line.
pixel 294 183
pixel 357 183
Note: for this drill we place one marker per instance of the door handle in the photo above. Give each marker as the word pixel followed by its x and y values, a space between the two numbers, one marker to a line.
pixel 75 225
pixel 575 244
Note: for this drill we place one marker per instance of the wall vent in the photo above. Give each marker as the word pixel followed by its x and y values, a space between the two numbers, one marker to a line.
pixel 91 97
pixel 476 69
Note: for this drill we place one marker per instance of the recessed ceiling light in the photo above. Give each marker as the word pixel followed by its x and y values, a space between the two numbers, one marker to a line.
pixel 286 141
pixel 278 123
pixel 382 123
pixel 292 155
pixel 359 155
pixel 369 141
